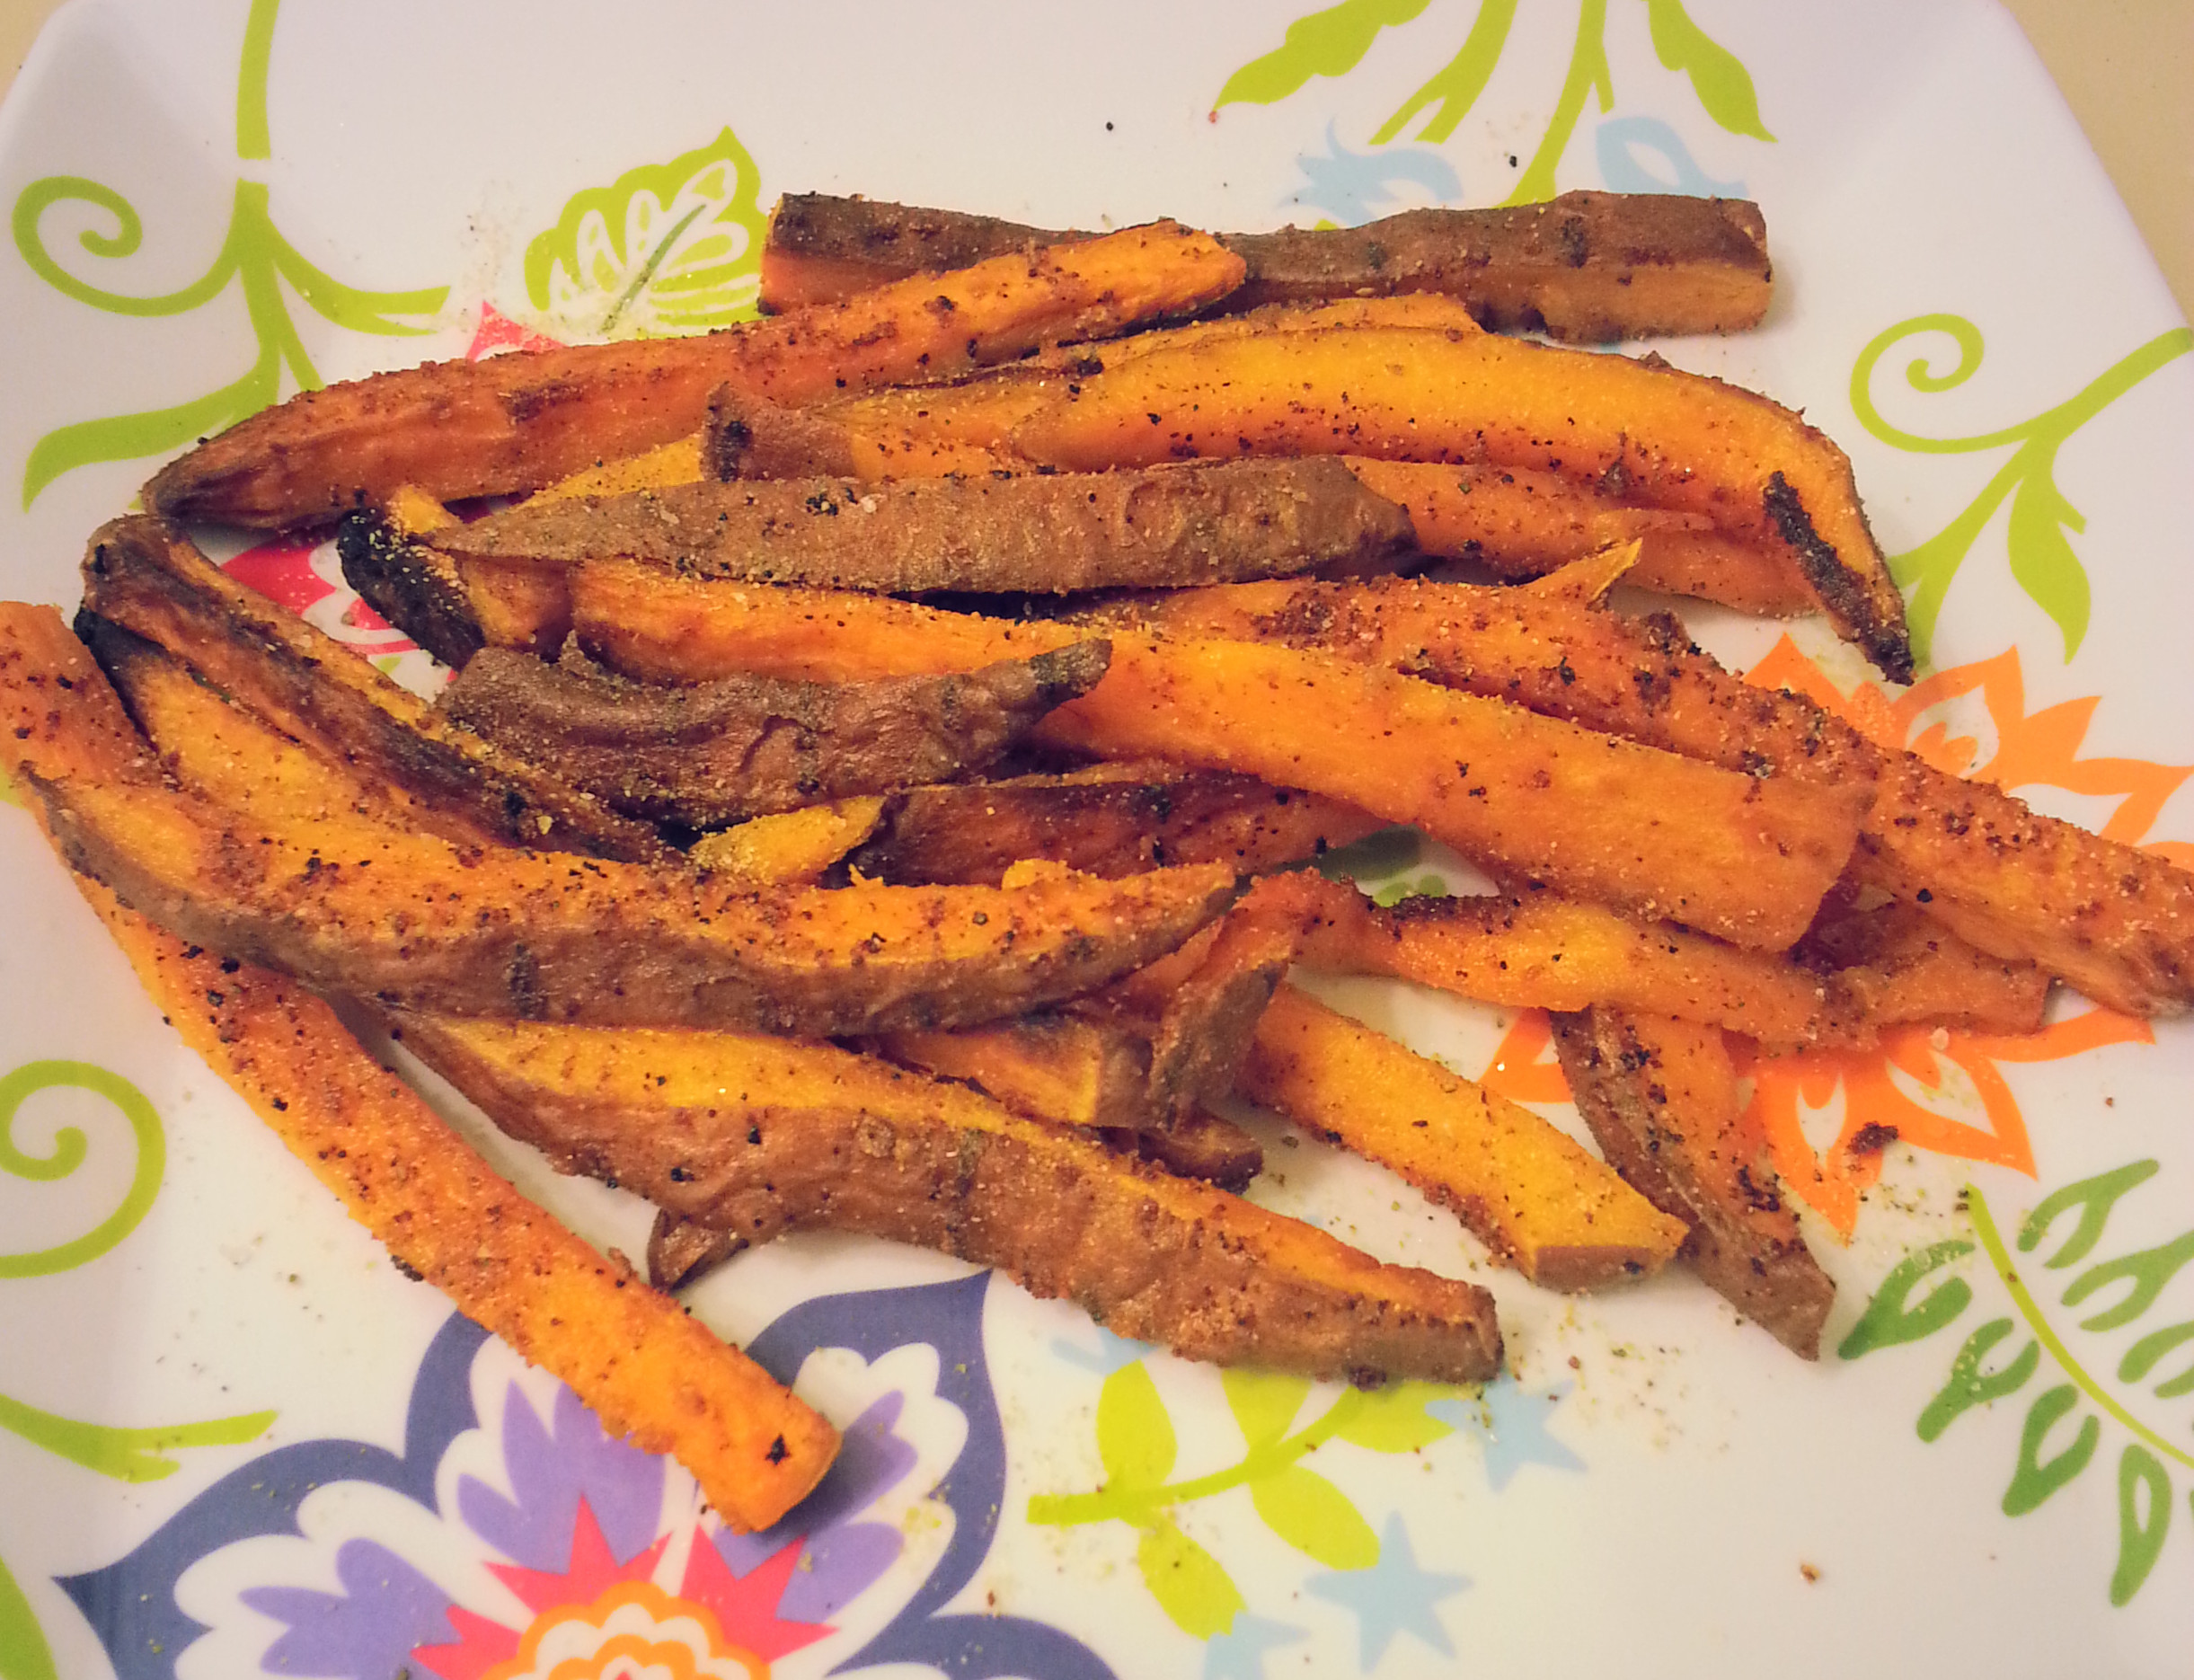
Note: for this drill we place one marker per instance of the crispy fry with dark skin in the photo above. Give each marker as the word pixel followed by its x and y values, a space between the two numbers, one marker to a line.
pixel 714 753
pixel 1112 819
pixel 406 917
pixel 1588 266
pixel 1664 438
pixel 2115 921
pixel 1202 1003
pixel 1200 1145
pixel 1661 1099
pixel 757 1136
pixel 450 605
pixel 648 1370
pixel 525 419
pixel 220 749
pixel 150 579
pixel 1537 1199
pixel 1748 860
pixel 1544 952
pixel 1164 526
pixel 1521 524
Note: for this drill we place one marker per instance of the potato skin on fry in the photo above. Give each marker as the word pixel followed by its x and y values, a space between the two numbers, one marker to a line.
pixel 1166 526
pixel 1588 265
pixel 524 419
pixel 755 1137
pixel 1660 1097
pixel 408 918
pixel 748 747
pixel 152 580
pixel 1585 813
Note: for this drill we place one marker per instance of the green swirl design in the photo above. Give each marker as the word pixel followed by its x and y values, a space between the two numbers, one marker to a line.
pixel 253 255
pixel 69 1150
pixel 2042 560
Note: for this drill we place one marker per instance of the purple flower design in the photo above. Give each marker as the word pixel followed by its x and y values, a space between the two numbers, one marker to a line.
pixel 366 1632
pixel 550 1469
pixel 842 1557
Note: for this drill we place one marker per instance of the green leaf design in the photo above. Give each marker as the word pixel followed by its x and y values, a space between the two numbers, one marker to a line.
pixel 668 248
pixel 1457 84
pixel 2095 1197
pixel 1383 852
pixel 2148 1271
pixel 2036 1478
pixel 1331 42
pixel 126 1455
pixel 1723 86
pixel 1135 1436
pixel 1969 1386
pixel 1888 1321
pixel 1264 1402
pixel 2042 562
pixel 24 1654
pixel 2141 1358
pixel 2140 1537
pixel 1394 1419
pixel 1315 1518
pixel 1187 1581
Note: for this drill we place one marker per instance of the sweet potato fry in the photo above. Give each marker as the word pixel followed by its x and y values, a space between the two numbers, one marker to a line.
pixel 1588 265
pixel 1895 966
pixel 519 421
pixel 965 427
pixel 1110 820
pixel 1668 439
pixel 1521 524
pixel 642 1365
pixel 1200 1145
pixel 759 1136
pixel 1540 1202
pixel 1748 859
pixel 713 752
pixel 792 848
pixel 2115 921
pixel 1544 952
pixel 1056 1066
pixel 1201 522
pixel 1203 1001
pixel 149 578
pixel 408 918
pixel 648 1370
pixel 218 749
pixel 451 606
pixel 1662 1097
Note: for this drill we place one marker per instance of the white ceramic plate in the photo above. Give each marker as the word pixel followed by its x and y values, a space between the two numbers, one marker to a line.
pixel 235 1440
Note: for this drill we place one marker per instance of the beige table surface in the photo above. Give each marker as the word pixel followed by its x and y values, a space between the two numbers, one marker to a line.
pixel 2125 69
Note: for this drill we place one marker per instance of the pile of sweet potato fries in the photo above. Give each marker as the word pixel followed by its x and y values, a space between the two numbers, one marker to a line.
pixel 886 739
